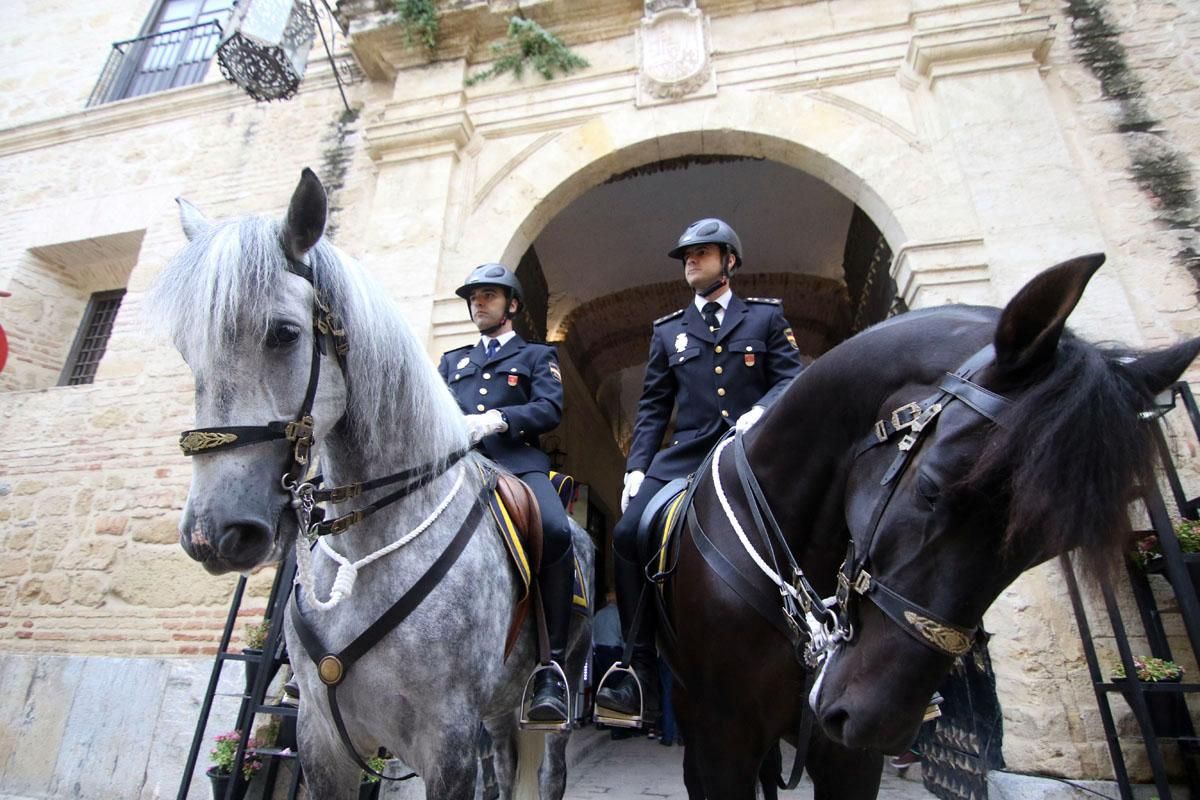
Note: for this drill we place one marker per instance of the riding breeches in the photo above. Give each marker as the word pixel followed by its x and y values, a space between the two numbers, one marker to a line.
pixel 625 534
pixel 556 529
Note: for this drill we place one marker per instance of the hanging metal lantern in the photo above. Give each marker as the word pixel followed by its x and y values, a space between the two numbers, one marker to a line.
pixel 264 48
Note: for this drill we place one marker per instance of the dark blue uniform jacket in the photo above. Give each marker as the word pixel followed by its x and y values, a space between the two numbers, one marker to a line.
pixel 713 378
pixel 524 382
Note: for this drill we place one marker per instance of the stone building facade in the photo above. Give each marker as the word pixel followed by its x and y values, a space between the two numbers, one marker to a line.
pixel 967 144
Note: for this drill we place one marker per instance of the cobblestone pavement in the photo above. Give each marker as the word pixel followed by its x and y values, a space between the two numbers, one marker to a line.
pixel 642 768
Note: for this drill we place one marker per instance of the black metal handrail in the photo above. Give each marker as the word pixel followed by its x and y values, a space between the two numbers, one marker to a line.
pixel 156 62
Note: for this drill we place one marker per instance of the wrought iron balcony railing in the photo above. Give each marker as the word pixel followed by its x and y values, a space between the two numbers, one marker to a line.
pixel 157 62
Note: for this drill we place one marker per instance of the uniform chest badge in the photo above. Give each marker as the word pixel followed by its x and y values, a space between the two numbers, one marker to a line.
pixel 513 380
pixel 748 358
pixel 681 343
pixel 462 362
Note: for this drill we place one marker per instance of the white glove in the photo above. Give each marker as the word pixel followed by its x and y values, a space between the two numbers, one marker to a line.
pixel 485 424
pixel 633 482
pixel 749 418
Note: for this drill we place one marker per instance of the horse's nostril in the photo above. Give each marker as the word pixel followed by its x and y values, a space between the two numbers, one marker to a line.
pixel 834 721
pixel 239 537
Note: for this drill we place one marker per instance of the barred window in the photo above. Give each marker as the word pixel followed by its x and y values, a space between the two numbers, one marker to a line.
pixel 92 338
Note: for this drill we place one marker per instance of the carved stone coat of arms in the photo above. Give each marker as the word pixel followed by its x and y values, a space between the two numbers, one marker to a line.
pixel 673 53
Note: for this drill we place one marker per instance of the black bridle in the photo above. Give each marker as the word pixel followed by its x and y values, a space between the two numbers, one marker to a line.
pixel 333 667
pixel 814 625
pixel 854 580
pixel 299 431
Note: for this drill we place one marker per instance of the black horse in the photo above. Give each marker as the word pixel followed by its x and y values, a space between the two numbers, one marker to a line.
pixel 1027 443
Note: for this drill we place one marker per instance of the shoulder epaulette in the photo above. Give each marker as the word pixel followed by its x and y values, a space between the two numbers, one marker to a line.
pixel 670 316
pixel 773 301
pixel 456 349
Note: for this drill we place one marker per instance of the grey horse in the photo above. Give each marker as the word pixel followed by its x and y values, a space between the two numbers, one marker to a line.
pixel 238 303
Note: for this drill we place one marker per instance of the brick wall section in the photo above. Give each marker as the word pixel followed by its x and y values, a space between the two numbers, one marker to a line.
pixel 91 481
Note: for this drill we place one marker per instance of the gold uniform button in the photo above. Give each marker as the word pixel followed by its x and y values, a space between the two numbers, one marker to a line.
pixel 480 407
pixel 720 349
pixel 482 391
pixel 487 376
pixel 721 392
pixel 719 370
pixel 724 413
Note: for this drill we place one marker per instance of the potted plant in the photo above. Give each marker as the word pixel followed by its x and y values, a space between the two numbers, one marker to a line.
pixel 368 789
pixel 1166 710
pixel 1147 551
pixel 255 639
pixel 223 754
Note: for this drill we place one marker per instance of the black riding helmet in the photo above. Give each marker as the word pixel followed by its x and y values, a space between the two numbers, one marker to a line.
pixel 492 275
pixel 709 230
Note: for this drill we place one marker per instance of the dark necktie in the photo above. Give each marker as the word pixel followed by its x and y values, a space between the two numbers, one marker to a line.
pixel 709 312
pixel 493 347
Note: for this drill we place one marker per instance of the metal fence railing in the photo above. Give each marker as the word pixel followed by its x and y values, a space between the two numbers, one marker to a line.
pixel 156 62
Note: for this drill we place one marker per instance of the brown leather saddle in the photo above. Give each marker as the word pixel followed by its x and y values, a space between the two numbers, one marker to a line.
pixel 521 507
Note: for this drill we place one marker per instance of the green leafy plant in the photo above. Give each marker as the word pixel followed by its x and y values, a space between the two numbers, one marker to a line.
pixel 376 763
pixel 419 21
pixel 529 44
pixel 256 634
pixel 225 751
pixel 1147 548
pixel 1151 670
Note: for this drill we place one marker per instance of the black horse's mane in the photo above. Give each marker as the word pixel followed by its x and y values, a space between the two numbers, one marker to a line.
pixel 1068 454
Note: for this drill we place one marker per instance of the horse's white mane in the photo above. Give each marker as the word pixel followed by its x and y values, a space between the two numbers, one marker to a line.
pixel 221 286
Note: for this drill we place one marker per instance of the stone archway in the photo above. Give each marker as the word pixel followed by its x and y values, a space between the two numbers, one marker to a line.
pixel 926 216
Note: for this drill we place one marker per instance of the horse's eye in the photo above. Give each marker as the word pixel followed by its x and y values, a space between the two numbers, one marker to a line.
pixel 282 334
pixel 928 488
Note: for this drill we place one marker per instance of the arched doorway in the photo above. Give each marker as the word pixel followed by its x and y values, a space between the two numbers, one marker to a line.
pixel 597 276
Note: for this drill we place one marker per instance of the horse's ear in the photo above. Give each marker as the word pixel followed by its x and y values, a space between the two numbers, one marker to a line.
pixel 305 222
pixel 1033 321
pixel 1158 370
pixel 191 219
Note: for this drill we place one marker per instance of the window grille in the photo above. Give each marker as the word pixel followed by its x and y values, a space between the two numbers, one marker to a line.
pixel 174 49
pixel 92 338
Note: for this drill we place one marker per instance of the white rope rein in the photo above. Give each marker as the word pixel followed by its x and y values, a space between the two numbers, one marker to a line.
pixel 737 526
pixel 347 574
pixel 822 639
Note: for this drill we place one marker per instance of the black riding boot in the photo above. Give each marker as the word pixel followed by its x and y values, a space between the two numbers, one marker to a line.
pixel 557 583
pixel 621 694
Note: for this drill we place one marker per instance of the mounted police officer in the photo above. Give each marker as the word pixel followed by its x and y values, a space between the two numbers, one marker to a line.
pixel 511 391
pixel 721 361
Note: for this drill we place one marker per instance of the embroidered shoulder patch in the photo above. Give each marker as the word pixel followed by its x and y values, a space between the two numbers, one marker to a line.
pixel 555 372
pixel 791 337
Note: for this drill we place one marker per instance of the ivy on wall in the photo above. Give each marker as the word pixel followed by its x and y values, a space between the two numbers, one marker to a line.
pixel 527 45
pixel 1160 169
pixel 419 21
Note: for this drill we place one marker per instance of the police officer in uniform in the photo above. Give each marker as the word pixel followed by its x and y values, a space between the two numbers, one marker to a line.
pixel 511 391
pixel 721 361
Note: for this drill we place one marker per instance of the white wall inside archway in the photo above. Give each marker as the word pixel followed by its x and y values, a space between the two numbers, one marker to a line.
pixel 616 235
